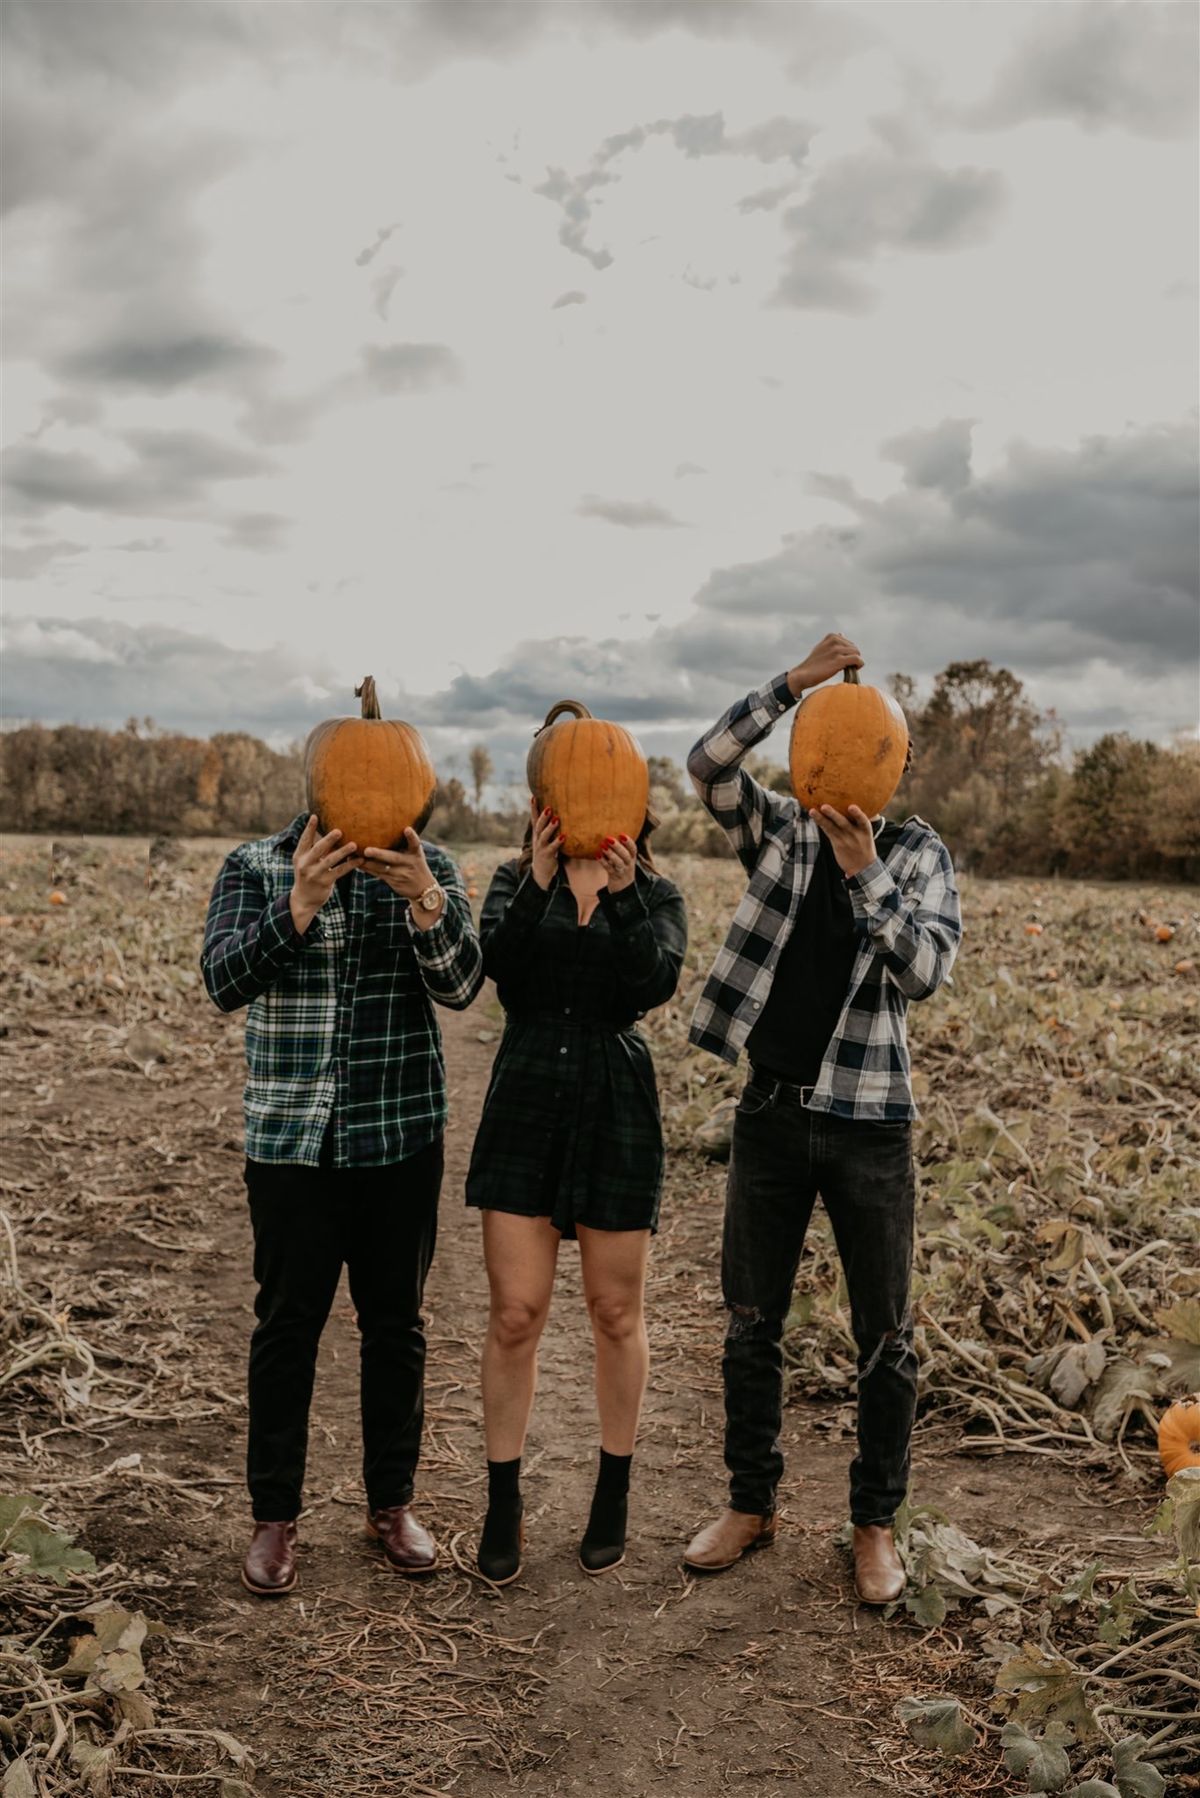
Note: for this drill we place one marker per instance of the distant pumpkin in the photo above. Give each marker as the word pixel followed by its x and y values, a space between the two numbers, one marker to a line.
pixel 57 898
pixel 1164 933
pixel 369 777
pixel 1033 930
pixel 849 745
pixel 1179 1435
pixel 592 775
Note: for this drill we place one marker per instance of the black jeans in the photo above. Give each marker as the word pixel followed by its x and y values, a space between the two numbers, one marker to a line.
pixel 783 1157
pixel 381 1222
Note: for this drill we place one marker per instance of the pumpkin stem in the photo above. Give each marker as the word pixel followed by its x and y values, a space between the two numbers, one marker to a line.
pixel 574 706
pixel 851 675
pixel 370 700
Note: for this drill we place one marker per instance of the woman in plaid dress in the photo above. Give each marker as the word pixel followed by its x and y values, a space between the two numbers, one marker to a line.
pixel 570 1144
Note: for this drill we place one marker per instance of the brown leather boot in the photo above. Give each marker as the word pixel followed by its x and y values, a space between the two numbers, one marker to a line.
pixel 878 1570
pixel 724 1541
pixel 269 1569
pixel 407 1545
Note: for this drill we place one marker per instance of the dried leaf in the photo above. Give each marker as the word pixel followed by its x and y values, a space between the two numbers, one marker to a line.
pixel 1094 1788
pixel 1122 1385
pixel 1183 1493
pixel 1079 1366
pixel 237 1752
pixel 18 1781
pixel 1181 1320
pixel 928 1606
pixel 1050 1687
pixel 937 1723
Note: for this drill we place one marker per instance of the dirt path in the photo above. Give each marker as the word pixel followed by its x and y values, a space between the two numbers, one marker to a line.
pixel 568 1685
pixel 125 1174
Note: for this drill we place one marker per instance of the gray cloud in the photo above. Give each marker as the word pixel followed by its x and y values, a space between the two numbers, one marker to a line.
pixel 1105 65
pixel 573 298
pixel 694 135
pixel 406 368
pixel 634 514
pixel 169 474
pixel 938 457
pixel 161 365
pixel 261 531
pixel 1076 565
pixel 874 200
pixel 25 562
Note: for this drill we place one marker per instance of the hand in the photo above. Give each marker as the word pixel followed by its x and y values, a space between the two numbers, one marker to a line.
pixel 832 654
pixel 547 841
pixel 852 837
pixel 318 863
pixel 406 872
pixel 619 856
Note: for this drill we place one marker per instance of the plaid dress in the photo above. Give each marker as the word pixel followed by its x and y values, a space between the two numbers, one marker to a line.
pixel 570 1127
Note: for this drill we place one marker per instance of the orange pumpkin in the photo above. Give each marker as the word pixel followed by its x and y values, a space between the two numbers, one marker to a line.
pixel 1033 930
pixel 1179 1435
pixel 1164 933
pixel 592 775
pixel 369 777
pixel 849 745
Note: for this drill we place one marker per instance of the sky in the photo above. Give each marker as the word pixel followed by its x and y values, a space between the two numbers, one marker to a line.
pixel 511 350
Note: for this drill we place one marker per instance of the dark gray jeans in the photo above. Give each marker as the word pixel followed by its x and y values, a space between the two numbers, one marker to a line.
pixel 785 1156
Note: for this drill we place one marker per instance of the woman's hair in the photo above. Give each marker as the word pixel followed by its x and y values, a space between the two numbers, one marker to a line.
pixel 645 859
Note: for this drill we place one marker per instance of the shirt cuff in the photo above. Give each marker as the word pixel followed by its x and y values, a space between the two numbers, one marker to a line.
pixel 278 928
pixel 770 702
pixel 871 886
pixel 625 907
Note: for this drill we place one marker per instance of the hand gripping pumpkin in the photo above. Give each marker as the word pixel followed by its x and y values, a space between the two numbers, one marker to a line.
pixel 591 774
pixel 1179 1435
pixel 369 777
pixel 849 745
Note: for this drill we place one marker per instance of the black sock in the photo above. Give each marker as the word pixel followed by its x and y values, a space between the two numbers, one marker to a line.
pixel 504 1480
pixel 613 1476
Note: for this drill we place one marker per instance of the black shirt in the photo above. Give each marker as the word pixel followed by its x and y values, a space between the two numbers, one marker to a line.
pixel 812 975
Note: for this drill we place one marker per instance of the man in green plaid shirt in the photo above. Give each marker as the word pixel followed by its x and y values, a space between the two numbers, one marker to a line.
pixel 340 952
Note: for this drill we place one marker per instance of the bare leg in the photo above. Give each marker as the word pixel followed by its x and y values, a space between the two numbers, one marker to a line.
pixel 614 1282
pixel 521 1254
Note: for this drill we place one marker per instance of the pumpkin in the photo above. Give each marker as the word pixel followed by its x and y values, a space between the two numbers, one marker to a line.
pixel 1033 930
pixel 1164 933
pixel 1179 1435
pixel 592 775
pixel 58 898
pixel 1185 966
pixel 369 777
pixel 849 745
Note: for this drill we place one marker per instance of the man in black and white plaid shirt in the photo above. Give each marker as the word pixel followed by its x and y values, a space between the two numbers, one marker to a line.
pixel 338 949
pixel 844 921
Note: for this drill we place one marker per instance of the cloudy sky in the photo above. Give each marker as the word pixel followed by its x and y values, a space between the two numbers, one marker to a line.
pixel 513 350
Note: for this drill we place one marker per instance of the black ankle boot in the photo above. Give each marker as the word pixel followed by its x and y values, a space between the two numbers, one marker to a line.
pixel 603 1545
pixel 503 1535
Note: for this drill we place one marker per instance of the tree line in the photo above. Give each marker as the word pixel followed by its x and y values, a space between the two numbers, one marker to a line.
pixel 989 773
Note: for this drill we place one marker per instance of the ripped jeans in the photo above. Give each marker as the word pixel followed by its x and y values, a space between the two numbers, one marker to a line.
pixel 783 1157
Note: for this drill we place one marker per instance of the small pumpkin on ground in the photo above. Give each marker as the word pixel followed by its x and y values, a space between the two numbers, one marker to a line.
pixel 369 777
pixel 849 746
pixel 1179 1435
pixel 592 774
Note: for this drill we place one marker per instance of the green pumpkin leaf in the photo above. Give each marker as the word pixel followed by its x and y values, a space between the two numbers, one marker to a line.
pixel 1042 1759
pixel 1135 1777
pixel 937 1723
pixel 928 1606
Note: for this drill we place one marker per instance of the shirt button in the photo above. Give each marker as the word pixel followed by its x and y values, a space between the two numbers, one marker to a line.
pixel 566 1011
pixel 758 1005
pixel 562 1051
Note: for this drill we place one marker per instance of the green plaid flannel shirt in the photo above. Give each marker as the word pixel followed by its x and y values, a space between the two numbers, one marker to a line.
pixel 341 1030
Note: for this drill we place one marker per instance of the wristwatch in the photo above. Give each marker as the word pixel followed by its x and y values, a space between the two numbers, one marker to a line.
pixel 431 898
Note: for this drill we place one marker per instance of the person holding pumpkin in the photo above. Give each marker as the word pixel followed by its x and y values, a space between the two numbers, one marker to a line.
pixel 845 920
pixel 340 952
pixel 581 945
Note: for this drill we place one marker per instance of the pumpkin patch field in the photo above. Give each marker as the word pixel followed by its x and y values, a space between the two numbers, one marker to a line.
pixel 1047 1639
